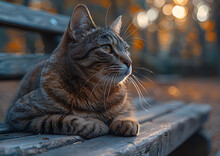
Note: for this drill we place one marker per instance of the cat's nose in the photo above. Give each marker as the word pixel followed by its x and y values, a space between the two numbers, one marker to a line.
pixel 127 61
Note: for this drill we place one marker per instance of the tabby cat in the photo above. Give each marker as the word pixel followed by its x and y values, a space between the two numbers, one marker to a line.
pixel 80 89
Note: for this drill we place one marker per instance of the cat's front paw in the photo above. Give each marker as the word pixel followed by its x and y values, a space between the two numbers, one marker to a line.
pixel 92 128
pixel 125 127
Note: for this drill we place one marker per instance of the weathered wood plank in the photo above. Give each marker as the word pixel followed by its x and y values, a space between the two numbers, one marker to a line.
pixel 140 104
pixel 35 144
pixel 159 137
pixel 13 135
pixel 4 128
pixel 186 121
pixel 15 66
pixel 156 113
pixel 158 110
pixel 27 19
pixel 153 113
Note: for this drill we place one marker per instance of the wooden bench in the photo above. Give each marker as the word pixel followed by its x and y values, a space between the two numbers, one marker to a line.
pixel 49 26
pixel 164 128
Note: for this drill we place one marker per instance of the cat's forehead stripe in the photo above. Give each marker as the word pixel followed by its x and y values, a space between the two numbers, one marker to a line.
pixel 120 40
pixel 115 40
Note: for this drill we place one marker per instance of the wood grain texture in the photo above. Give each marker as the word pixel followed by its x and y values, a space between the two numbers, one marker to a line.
pixel 157 110
pixel 13 135
pixel 4 128
pixel 139 103
pixel 27 19
pixel 15 66
pixel 159 137
pixel 35 144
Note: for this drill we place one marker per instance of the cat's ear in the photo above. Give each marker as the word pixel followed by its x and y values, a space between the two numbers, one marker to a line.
pixel 116 25
pixel 81 22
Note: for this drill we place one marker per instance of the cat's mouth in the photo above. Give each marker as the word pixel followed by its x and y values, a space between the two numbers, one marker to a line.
pixel 124 74
pixel 129 71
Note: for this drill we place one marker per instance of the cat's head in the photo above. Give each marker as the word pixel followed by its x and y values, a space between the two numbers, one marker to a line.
pixel 97 52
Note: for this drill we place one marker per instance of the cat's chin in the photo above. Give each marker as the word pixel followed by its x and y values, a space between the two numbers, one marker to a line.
pixel 121 78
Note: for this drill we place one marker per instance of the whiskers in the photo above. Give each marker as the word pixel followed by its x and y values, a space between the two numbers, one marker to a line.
pixel 104 78
pixel 92 76
pixel 108 83
pixel 106 15
pixel 145 69
pixel 140 94
pixel 139 85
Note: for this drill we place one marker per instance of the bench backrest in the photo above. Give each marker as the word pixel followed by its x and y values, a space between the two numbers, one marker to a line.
pixel 50 26
pixel 24 18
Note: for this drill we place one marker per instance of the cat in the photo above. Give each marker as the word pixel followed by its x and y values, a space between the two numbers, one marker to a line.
pixel 80 89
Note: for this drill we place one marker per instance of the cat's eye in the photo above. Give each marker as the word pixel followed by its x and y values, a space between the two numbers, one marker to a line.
pixel 127 47
pixel 107 48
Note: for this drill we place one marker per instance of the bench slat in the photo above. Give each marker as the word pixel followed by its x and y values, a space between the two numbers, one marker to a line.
pixel 15 66
pixel 139 102
pixel 153 113
pixel 4 128
pixel 35 144
pixel 166 117
pixel 13 135
pixel 158 110
pixel 27 19
pixel 159 137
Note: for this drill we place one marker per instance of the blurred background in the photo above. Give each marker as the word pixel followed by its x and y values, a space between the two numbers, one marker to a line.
pixel 166 36
pixel 175 47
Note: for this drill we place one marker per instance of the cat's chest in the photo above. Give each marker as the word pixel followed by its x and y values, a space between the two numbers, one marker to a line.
pixel 104 116
pixel 100 109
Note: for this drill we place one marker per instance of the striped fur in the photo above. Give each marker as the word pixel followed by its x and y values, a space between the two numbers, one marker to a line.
pixel 79 90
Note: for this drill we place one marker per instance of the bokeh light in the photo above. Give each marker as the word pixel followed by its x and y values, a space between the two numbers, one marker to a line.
pixel 210 36
pixel 138 44
pixel 152 27
pixel 180 2
pixel 167 9
pixel 172 90
pixel 159 3
pixel 203 12
pixel 208 25
pixel 152 14
pixel 179 12
pixel 141 19
pixel 196 2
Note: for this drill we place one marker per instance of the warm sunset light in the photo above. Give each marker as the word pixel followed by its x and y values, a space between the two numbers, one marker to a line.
pixel 180 2
pixel 75 70
pixel 159 3
pixel 172 90
pixel 203 12
pixel 167 9
pixel 196 2
pixel 152 14
pixel 142 19
pixel 179 12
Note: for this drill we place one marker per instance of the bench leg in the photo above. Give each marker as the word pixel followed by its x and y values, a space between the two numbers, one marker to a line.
pixel 197 145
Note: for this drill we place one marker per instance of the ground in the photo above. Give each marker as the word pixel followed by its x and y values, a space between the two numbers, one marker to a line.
pixel 188 89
